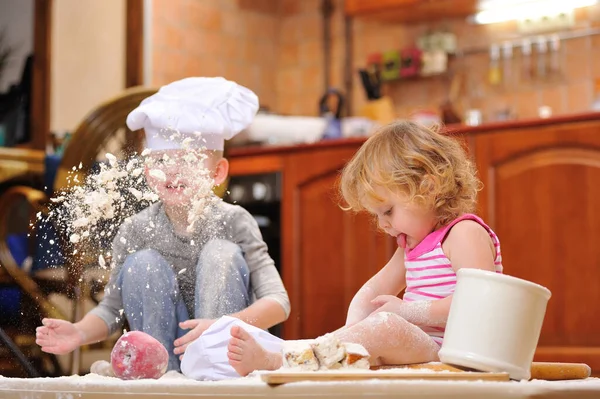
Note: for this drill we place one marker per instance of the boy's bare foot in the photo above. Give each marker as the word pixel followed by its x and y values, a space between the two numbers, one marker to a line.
pixel 246 355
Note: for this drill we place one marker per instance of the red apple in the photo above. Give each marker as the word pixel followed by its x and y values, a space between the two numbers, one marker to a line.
pixel 137 355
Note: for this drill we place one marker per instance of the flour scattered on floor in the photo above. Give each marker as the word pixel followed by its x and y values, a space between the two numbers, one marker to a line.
pixel 91 209
pixel 173 383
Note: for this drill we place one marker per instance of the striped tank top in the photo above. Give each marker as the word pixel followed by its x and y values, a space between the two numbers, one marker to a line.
pixel 429 274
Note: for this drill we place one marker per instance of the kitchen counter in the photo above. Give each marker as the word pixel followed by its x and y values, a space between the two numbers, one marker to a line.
pixel 524 123
pixel 457 129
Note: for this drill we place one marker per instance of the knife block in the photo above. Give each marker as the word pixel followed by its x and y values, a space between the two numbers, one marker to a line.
pixel 380 110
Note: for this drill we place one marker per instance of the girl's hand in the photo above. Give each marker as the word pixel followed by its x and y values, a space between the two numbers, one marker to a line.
pixel 197 326
pixel 388 303
pixel 420 313
pixel 58 336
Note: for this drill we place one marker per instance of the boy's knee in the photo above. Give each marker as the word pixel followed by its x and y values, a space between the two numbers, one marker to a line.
pixel 143 256
pixel 144 260
pixel 218 252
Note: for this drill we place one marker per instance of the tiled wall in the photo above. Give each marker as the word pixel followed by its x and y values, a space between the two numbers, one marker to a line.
pixel 272 46
pixel 569 90
pixel 300 72
pixel 275 47
pixel 237 39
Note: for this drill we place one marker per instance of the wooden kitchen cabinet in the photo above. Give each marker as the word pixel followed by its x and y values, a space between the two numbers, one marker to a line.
pixel 362 7
pixel 410 11
pixel 332 252
pixel 541 196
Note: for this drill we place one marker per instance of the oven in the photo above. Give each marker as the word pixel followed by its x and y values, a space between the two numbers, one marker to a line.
pixel 260 194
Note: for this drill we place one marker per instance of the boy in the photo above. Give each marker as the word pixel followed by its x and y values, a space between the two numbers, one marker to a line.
pixel 190 254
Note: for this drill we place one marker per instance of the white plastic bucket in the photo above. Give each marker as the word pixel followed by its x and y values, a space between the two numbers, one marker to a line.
pixel 494 323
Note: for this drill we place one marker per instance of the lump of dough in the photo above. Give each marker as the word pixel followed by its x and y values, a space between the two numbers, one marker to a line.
pixel 299 355
pixel 329 351
pixel 356 357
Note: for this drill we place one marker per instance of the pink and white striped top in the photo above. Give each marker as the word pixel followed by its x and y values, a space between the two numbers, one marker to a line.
pixel 429 274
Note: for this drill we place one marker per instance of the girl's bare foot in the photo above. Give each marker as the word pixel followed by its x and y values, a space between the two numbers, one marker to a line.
pixel 246 355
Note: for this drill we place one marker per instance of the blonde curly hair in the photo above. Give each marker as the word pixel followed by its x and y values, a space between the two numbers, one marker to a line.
pixel 432 169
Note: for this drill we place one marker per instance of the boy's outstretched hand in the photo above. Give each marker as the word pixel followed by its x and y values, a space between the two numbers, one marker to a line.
pixel 58 336
pixel 197 326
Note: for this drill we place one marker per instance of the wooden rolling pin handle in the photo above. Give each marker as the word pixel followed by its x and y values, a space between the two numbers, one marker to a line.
pixel 559 371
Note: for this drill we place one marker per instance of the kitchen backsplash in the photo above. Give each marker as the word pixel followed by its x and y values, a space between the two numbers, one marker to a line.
pixel 275 47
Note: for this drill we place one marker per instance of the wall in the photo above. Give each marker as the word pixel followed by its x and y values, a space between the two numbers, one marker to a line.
pixel 235 39
pixel 16 20
pixel 88 58
pixel 275 47
pixel 300 66
pixel 570 90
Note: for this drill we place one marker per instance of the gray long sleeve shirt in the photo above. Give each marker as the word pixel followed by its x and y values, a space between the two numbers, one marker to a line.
pixel 152 229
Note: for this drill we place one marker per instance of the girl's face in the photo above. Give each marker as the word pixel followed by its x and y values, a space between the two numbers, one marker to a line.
pixel 177 176
pixel 409 223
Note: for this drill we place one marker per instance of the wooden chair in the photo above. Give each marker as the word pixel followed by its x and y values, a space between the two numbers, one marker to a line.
pixel 102 131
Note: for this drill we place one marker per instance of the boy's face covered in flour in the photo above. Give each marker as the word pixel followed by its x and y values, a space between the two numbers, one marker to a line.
pixel 184 179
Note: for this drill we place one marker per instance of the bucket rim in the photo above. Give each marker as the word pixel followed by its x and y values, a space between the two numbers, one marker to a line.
pixel 503 277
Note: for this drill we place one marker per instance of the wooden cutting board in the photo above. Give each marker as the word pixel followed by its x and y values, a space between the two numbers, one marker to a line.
pixel 539 370
pixel 279 377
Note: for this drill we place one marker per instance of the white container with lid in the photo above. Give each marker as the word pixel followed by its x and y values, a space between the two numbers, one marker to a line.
pixel 494 323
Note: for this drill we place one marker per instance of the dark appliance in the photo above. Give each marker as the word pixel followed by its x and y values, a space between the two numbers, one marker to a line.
pixel 260 194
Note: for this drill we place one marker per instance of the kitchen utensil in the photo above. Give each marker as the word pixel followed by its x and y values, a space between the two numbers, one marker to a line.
pixel 332 102
pixel 494 73
pixel 330 107
pixel 526 60
pixel 549 371
pixel 494 323
pixel 279 377
pixel 370 85
pixel 555 55
pixel 507 59
pixel 539 371
pixel 448 107
pixel 542 50
pixel 375 77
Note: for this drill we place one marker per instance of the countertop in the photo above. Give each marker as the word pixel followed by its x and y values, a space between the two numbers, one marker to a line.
pixel 454 129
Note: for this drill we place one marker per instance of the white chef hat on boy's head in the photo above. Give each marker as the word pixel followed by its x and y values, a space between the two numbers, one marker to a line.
pixel 197 112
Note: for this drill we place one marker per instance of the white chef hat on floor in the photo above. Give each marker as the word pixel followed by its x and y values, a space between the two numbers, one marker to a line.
pixel 206 357
pixel 194 112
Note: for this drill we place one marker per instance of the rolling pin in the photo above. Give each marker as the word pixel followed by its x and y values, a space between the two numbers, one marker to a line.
pixel 549 371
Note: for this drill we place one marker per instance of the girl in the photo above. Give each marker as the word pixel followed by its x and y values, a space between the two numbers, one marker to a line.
pixel 422 188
